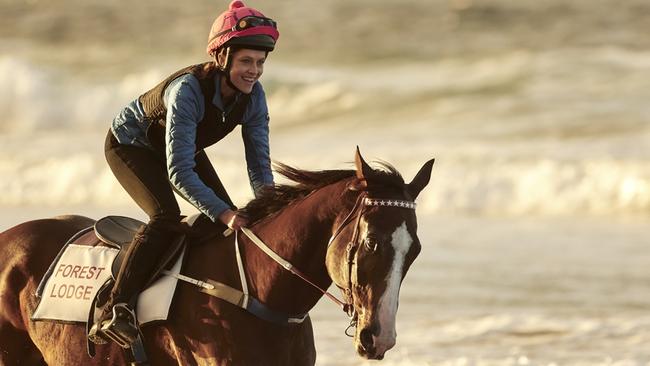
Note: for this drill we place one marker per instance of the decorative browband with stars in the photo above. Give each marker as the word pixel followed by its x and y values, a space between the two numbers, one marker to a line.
pixel 389 203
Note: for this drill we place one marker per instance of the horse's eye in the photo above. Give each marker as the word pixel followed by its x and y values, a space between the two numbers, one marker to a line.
pixel 371 244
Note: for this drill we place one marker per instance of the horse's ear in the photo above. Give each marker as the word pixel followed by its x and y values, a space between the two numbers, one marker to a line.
pixel 421 179
pixel 364 171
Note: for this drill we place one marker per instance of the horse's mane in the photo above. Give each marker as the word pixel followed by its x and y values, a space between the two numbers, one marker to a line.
pixel 273 199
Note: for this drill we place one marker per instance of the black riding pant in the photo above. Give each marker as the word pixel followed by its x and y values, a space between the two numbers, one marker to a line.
pixel 143 174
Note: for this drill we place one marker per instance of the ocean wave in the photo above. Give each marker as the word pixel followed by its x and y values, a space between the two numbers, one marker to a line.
pixel 505 145
pixel 561 93
pixel 544 187
pixel 37 98
pixel 507 339
pixel 535 187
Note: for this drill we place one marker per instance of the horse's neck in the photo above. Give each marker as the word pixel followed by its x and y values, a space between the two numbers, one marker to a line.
pixel 299 234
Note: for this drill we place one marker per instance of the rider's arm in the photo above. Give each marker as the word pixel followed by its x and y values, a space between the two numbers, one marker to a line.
pixel 185 107
pixel 255 132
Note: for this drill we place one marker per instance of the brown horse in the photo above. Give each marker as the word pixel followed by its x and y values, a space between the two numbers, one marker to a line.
pixel 367 214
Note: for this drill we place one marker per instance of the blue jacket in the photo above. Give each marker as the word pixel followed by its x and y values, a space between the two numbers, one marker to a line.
pixel 185 108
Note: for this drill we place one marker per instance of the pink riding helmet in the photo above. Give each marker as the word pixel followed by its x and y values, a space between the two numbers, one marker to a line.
pixel 242 26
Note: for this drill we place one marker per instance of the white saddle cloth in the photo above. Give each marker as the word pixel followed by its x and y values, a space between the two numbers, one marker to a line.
pixel 78 275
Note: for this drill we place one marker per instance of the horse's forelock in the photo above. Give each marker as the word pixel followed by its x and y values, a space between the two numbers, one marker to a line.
pixel 387 175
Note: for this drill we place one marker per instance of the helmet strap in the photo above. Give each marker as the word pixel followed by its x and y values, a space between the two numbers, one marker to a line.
pixel 225 52
pixel 225 68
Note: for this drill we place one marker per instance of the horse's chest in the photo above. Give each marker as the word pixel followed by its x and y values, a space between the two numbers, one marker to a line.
pixel 231 337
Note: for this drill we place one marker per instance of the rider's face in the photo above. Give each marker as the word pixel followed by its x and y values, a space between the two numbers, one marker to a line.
pixel 247 66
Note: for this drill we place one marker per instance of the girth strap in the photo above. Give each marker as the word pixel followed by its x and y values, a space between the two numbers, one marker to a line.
pixel 241 298
pixel 251 304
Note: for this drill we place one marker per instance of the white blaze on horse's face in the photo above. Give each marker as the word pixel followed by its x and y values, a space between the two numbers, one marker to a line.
pixel 387 309
pixel 376 296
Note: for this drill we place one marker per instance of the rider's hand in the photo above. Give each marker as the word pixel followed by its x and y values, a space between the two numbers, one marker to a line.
pixel 233 220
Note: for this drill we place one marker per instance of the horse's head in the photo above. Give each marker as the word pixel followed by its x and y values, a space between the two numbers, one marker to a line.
pixel 372 250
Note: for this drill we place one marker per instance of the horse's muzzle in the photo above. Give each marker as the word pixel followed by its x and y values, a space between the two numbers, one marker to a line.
pixel 366 346
pixel 369 354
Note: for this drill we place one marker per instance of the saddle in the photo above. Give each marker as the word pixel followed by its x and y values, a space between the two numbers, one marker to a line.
pixel 118 232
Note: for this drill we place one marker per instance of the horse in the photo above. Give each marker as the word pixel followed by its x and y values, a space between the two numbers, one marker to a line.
pixel 356 228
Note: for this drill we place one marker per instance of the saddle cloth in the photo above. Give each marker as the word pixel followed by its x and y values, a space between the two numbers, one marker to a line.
pixel 68 289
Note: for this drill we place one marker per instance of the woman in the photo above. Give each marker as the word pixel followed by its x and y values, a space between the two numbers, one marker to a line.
pixel 155 145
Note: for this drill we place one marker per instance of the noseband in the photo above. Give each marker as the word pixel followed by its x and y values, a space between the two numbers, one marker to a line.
pixel 353 244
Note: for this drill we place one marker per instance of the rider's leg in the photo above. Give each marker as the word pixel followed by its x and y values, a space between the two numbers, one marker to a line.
pixel 143 175
pixel 142 257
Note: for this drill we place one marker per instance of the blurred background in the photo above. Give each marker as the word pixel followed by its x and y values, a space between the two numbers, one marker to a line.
pixel 535 223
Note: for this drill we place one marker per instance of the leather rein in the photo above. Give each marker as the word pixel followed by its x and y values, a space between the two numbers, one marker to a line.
pixel 244 300
pixel 358 208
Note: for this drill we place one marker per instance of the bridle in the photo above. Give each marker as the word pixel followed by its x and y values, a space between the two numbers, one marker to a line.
pixel 354 215
pixel 243 299
pixel 353 245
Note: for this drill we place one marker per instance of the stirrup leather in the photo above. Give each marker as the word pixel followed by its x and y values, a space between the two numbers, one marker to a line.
pixel 122 328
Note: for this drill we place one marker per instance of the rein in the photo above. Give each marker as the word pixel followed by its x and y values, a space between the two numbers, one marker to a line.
pixel 245 301
pixel 353 245
pixel 289 267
